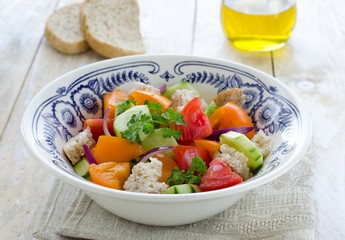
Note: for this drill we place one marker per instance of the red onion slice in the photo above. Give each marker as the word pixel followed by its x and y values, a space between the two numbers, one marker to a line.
pixel 145 156
pixel 162 88
pixel 216 133
pixel 105 124
pixel 88 154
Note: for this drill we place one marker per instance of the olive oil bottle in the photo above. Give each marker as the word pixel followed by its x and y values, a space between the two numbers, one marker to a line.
pixel 258 25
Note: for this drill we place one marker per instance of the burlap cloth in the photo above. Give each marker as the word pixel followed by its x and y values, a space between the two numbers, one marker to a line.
pixel 282 209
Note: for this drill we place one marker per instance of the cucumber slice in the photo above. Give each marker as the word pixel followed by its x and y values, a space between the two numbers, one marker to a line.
pixel 156 139
pixel 82 167
pixel 211 107
pixel 243 144
pixel 178 86
pixel 120 123
pixel 183 188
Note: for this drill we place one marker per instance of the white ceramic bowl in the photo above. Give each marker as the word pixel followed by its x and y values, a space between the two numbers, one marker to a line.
pixel 57 112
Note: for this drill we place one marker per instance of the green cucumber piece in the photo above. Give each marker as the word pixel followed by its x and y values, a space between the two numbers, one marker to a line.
pixel 183 188
pixel 243 144
pixel 156 139
pixel 120 123
pixel 82 167
pixel 178 86
pixel 87 177
pixel 211 107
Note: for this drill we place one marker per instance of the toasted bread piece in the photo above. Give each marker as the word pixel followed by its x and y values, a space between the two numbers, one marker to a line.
pixel 63 30
pixel 234 95
pixel 74 146
pixel 235 159
pixel 112 27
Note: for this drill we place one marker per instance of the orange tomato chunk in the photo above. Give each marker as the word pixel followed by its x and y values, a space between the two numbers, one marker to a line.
pixel 211 146
pixel 116 149
pixel 140 96
pixel 110 174
pixel 112 99
pixel 231 115
pixel 168 165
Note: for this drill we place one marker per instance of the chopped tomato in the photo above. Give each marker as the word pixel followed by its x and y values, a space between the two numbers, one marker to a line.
pixel 110 174
pixel 211 146
pixel 96 127
pixel 219 175
pixel 140 96
pixel 184 155
pixel 197 122
pixel 231 115
pixel 112 99
pixel 116 149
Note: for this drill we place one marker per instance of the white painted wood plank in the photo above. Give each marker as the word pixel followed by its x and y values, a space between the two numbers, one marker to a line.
pixel 313 66
pixel 21 31
pixel 164 29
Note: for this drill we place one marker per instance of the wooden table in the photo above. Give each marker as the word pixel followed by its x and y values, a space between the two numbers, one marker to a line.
pixel 312 64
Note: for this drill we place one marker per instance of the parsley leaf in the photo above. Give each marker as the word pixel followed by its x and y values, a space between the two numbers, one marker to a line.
pixel 174 117
pixel 138 123
pixel 143 123
pixel 176 177
pixel 167 120
pixel 124 105
pixel 168 132
pixel 156 112
pixel 193 176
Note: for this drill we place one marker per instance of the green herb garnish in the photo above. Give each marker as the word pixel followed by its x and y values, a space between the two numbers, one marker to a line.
pixel 124 105
pixel 145 123
pixel 193 176
pixel 138 123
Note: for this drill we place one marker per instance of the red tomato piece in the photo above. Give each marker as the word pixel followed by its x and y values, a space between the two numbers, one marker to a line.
pixel 197 122
pixel 184 154
pixel 219 175
pixel 96 127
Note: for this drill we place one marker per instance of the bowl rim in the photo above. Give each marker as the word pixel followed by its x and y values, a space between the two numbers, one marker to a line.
pixel 90 187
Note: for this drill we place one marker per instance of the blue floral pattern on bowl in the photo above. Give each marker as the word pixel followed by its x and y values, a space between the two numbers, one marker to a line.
pixel 61 116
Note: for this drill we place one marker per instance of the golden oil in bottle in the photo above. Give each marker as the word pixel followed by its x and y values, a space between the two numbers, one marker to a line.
pixel 258 25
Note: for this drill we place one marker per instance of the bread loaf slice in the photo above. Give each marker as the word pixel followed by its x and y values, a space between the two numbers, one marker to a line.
pixel 111 27
pixel 63 30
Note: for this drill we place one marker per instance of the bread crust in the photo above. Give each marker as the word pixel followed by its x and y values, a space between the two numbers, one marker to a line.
pixel 103 46
pixel 57 39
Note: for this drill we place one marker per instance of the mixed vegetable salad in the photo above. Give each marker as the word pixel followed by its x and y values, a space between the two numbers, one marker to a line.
pixel 168 140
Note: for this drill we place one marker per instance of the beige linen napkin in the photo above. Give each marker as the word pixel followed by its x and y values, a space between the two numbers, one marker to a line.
pixel 282 209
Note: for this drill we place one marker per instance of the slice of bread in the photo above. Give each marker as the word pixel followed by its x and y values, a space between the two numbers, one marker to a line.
pixel 234 95
pixel 63 30
pixel 111 27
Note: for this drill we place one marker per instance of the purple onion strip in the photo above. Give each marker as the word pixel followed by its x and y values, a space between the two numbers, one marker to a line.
pixel 154 151
pixel 105 124
pixel 216 133
pixel 88 154
pixel 162 88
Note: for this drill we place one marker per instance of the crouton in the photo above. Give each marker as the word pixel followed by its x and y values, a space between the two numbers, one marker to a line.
pixel 146 87
pixel 234 95
pixel 74 147
pixel 183 96
pixel 144 178
pixel 263 142
pixel 235 159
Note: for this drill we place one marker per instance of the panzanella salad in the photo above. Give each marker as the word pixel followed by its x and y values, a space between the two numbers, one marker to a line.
pixel 169 141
